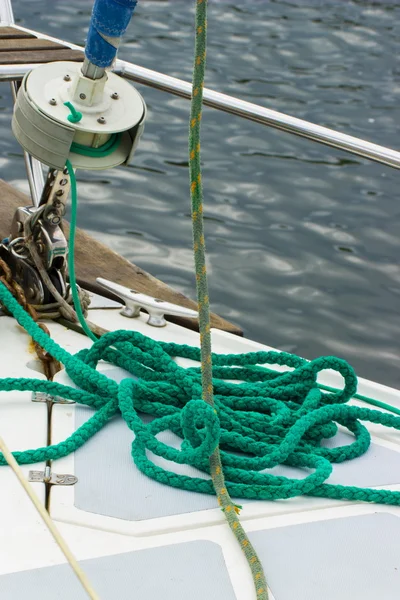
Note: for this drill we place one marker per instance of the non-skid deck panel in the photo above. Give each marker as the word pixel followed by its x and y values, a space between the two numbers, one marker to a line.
pixel 19 47
pixel 347 558
pixel 194 570
pixel 109 484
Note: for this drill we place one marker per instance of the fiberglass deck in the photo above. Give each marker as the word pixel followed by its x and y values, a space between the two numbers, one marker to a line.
pixel 132 533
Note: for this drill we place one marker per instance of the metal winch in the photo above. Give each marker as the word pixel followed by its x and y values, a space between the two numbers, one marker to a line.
pixel 68 111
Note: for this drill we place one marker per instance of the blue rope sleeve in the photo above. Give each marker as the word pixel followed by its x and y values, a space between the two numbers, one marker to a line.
pixel 110 19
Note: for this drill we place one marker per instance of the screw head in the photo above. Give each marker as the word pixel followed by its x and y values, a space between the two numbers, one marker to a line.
pixel 53 102
pixel 82 96
pixel 60 193
pixel 101 120
pixel 115 96
pixel 67 78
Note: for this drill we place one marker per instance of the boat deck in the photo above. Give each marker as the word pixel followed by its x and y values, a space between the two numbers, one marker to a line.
pixel 19 47
pixel 131 532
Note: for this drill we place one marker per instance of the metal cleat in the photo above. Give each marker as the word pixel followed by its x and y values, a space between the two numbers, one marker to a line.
pixel 156 308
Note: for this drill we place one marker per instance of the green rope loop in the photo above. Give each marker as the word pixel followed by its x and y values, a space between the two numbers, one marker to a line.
pixel 270 418
pixel 75 115
pixel 105 150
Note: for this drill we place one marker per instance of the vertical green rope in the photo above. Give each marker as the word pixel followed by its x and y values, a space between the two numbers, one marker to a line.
pixel 71 254
pixel 224 500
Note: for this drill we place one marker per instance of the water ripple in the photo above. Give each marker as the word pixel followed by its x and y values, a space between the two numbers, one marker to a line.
pixel 303 241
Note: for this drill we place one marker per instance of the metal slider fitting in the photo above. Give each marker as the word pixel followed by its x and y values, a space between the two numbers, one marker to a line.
pixel 134 301
pixel 47 476
pixel 42 397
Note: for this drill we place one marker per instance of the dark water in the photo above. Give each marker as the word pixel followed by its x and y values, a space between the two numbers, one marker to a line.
pixel 303 241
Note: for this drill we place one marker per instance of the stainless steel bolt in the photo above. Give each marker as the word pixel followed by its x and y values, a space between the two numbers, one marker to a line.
pixel 67 78
pixel 82 96
pixel 115 96
pixel 101 120
pixel 60 193
pixel 63 181
pixel 53 102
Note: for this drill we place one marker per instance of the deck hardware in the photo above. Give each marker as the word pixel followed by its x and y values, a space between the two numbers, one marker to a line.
pixel 47 476
pixel 115 96
pixel 45 131
pixel 67 77
pixel 42 397
pixel 156 308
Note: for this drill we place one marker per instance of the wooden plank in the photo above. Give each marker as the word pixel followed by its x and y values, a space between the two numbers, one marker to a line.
pixel 11 32
pixel 93 259
pixel 39 56
pixel 27 44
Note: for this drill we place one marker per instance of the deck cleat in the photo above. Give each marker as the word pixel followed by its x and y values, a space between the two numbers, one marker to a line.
pixel 156 308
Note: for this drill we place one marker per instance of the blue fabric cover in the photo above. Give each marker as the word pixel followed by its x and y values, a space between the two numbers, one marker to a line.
pixel 110 18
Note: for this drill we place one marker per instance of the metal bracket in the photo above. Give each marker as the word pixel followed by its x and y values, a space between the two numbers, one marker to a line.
pixel 156 308
pixel 43 397
pixel 47 476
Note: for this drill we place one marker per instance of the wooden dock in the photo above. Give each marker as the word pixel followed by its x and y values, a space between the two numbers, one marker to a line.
pixel 19 47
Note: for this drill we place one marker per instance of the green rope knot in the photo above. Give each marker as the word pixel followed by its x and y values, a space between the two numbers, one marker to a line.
pixel 201 430
pixel 75 115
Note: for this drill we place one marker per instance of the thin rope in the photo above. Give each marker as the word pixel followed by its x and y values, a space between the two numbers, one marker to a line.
pixel 62 544
pixel 71 254
pixel 229 508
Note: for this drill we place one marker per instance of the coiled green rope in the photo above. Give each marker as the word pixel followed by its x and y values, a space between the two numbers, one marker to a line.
pixel 272 418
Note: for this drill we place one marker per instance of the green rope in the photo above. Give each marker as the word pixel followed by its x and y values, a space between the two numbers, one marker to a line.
pixel 75 115
pixel 216 469
pixel 71 254
pixel 271 418
pixel 104 150
pixel 233 432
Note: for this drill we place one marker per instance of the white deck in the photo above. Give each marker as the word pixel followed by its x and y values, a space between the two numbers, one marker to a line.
pixel 300 536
